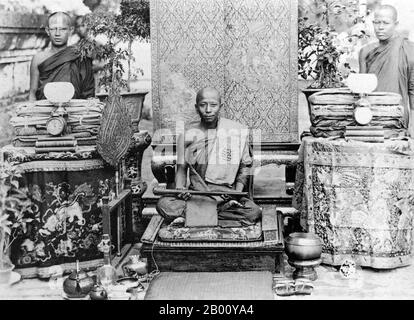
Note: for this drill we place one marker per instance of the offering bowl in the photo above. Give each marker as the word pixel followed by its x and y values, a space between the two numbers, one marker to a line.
pixel 303 246
pixel 304 252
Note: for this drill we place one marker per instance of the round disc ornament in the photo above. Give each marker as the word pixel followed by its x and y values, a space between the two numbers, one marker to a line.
pixel 55 125
pixel 363 115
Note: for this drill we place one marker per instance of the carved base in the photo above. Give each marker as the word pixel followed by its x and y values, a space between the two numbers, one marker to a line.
pixel 133 161
pixel 305 269
pixel 208 259
pixel 132 171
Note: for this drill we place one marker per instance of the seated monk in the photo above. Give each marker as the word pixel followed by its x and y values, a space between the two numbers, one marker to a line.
pixel 216 154
pixel 61 63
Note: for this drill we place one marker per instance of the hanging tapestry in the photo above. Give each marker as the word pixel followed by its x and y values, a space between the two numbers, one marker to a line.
pixel 245 49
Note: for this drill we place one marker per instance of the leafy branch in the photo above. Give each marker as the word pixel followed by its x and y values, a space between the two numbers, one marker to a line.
pixel 131 24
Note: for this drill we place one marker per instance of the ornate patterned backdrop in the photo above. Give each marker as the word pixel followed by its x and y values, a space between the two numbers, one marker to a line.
pixel 246 49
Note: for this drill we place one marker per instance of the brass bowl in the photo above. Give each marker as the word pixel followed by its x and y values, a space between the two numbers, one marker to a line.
pixel 303 246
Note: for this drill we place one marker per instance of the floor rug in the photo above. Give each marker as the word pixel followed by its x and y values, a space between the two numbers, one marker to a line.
pixel 255 285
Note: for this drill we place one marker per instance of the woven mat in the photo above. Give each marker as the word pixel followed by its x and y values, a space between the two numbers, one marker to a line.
pixel 255 285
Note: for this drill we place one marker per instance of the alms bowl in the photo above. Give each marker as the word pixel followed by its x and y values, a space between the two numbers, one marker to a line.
pixel 59 92
pixel 303 246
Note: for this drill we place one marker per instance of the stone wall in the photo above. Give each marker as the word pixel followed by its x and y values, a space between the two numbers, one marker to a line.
pixel 21 36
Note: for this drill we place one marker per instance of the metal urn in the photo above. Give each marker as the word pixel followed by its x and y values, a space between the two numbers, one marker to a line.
pixel 78 284
pixel 304 252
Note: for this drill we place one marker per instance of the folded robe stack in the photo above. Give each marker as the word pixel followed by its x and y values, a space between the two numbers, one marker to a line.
pixel 84 118
pixel 331 111
pixel 364 133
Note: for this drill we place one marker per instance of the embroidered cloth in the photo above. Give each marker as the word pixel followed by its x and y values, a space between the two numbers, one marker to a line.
pixel 358 198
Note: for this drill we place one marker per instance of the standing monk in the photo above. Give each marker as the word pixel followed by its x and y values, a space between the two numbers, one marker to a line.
pixel 215 152
pixel 61 63
pixel 392 60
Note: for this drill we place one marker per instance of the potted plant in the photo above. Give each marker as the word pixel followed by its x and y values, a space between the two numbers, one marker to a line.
pixel 319 47
pixel 131 24
pixel 15 214
pixel 318 57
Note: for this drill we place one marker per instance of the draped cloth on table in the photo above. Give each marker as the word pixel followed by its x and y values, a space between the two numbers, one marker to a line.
pixel 67 66
pixel 66 220
pixel 357 197
pixel 390 62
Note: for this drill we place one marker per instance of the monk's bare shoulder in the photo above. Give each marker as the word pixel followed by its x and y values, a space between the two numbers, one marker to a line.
pixel 367 49
pixel 193 125
pixel 41 56
pixel 193 132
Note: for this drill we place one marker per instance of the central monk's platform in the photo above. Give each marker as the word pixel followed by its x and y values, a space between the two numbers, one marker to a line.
pixel 255 248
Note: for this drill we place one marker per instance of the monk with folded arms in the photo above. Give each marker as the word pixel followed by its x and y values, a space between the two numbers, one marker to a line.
pixel 392 60
pixel 60 62
pixel 215 152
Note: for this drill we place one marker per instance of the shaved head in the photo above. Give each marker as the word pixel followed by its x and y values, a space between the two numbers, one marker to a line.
pixel 208 91
pixel 385 22
pixel 208 105
pixel 388 8
pixel 59 28
pixel 60 16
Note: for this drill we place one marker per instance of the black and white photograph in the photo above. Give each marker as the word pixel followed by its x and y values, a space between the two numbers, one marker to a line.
pixel 229 151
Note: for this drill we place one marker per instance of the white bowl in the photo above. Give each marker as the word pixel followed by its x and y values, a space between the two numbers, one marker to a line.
pixel 362 82
pixel 59 92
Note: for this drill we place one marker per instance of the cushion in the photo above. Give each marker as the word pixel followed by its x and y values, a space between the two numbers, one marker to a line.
pixel 210 234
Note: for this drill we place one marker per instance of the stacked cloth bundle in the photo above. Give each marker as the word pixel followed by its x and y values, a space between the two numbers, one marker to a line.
pixel 365 133
pixel 84 119
pixel 331 111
